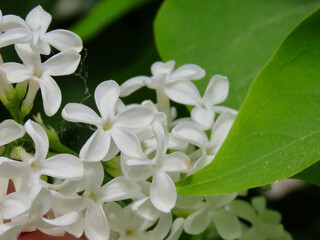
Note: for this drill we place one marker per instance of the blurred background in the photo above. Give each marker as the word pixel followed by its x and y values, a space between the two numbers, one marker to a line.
pixel 119 45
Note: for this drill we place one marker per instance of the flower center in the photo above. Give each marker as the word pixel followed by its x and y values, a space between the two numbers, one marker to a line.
pixel 129 232
pixel 107 126
pixel 93 197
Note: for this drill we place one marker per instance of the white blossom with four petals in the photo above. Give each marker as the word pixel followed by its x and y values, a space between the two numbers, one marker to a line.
pixel 110 126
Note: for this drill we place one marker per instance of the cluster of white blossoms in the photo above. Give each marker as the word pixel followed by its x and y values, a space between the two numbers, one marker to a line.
pixel 58 192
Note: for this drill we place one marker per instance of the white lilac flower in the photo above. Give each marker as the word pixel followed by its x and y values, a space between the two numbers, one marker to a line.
pixel 205 108
pixel 96 225
pixel 265 223
pixel 13 29
pixel 10 130
pixel 165 81
pixel 110 126
pixel 162 74
pixel 132 227
pixel 127 224
pixel 192 133
pixel 63 166
pixel 39 75
pixel 38 21
pixel 227 224
pixel 163 193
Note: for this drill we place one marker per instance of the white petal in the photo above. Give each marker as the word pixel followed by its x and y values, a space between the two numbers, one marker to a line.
pixel 64 166
pixel 127 142
pixel 227 224
pixel 135 117
pixel 259 203
pixel 176 229
pixel 243 210
pixel 51 95
pixel 76 112
pixel 53 231
pixel 15 72
pixel 4 183
pixel 163 193
pixel 177 144
pixel 161 135
pixel 198 221
pixel 38 44
pixel 188 72
pixel 12 21
pixel 221 129
pixel 222 109
pixel 76 229
pixel 38 18
pixel 106 96
pixel 66 203
pixel 203 161
pixel 112 152
pixel 63 63
pixel 162 68
pixel 63 39
pixel 190 132
pixel 189 202
pixel 119 188
pixel 39 137
pixel 11 230
pixel 64 220
pixel 132 84
pixel 96 147
pixel 183 91
pixel 176 162
pixel 117 217
pixel 10 130
pixel 217 90
pixel 96 225
pixel 136 170
pixel 11 169
pixel 14 204
pixel 93 176
pixel 139 162
pixel 41 200
pixel 14 36
pixel 29 57
pixel 163 227
pixel 203 116
pixel 145 209
pixel 217 201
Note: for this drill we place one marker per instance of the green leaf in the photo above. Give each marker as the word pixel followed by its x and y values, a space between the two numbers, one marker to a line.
pixel 311 174
pixel 277 132
pixel 102 15
pixel 232 38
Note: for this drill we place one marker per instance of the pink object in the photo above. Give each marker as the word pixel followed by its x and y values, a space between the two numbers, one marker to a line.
pixel 39 235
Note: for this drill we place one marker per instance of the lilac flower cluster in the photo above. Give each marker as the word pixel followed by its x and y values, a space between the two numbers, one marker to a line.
pixel 58 192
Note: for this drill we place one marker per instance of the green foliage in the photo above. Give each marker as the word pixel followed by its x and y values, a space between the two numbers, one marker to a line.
pixel 102 15
pixel 232 38
pixel 276 133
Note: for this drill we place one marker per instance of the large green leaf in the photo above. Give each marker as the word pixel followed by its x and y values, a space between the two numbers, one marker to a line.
pixel 229 37
pixel 103 14
pixel 311 174
pixel 277 131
